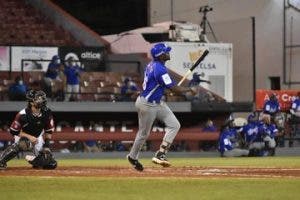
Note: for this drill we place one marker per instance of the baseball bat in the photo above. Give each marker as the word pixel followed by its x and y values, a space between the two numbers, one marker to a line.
pixel 193 67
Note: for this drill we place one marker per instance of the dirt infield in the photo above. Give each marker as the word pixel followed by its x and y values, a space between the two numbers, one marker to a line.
pixel 193 172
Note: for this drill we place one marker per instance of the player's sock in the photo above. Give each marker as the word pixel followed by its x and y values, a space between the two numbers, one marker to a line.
pixel 164 147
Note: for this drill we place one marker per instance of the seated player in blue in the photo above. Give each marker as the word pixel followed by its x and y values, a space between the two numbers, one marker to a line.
pixel 228 141
pixel 209 126
pixel 251 135
pixel 263 143
pixel 268 131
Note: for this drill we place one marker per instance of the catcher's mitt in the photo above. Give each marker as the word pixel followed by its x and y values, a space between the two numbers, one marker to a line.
pixel 44 160
pixel 24 144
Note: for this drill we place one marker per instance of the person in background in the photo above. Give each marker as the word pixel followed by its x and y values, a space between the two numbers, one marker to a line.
pixel 52 74
pixel 196 80
pixel 228 141
pixel 209 127
pixel 295 108
pixel 72 72
pixel 200 94
pixel 129 90
pixel 295 118
pixel 268 131
pixel 271 107
pixel 17 91
pixel 91 146
pixel 251 136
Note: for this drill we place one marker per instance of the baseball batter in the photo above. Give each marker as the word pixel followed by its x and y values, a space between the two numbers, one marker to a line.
pixel 150 107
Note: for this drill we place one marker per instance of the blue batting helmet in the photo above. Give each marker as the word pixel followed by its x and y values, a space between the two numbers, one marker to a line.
pixel 159 49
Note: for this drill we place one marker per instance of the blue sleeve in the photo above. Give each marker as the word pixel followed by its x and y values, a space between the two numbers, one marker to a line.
pixel 163 78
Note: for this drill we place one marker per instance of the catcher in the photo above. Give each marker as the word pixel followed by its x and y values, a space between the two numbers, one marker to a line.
pixel 32 129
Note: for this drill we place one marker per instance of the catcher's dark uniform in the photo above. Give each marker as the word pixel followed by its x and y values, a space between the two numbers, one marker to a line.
pixel 35 125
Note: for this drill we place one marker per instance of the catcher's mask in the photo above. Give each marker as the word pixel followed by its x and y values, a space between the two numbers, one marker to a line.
pixel 37 98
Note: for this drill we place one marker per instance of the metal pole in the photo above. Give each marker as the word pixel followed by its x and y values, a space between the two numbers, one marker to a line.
pixel 172 19
pixel 284 45
pixel 291 51
pixel 254 58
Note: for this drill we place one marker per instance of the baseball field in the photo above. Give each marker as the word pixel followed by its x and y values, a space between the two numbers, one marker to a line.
pixel 188 178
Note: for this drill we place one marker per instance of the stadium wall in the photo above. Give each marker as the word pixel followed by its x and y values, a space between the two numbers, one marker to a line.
pixel 231 22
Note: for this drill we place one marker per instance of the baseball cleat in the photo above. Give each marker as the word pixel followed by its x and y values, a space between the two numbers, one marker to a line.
pixel 3 166
pixel 135 163
pixel 161 159
pixel 29 158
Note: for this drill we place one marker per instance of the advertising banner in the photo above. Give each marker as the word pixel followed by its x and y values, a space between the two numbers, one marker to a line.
pixel 89 58
pixel 216 67
pixel 285 98
pixel 35 55
pixel 4 58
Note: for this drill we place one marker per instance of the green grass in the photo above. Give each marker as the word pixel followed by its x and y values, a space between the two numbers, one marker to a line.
pixel 241 162
pixel 147 188
pixel 89 188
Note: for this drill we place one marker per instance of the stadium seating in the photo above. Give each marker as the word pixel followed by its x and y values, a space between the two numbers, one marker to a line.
pixel 94 86
pixel 21 24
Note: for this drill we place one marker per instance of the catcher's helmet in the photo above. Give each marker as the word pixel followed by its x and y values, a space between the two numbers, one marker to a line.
pixel 159 49
pixel 38 98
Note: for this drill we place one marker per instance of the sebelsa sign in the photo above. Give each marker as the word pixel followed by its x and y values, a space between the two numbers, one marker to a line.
pixel 285 98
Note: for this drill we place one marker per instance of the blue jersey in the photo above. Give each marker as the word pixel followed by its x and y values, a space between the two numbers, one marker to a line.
pixel 53 68
pixel 271 107
pixel 250 132
pixel 156 79
pixel 268 130
pixel 225 141
pixel 72 74
pixel 296 105
pixel 52 71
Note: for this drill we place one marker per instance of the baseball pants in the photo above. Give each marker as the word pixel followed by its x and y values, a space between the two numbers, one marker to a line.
pixel 147 113
pixel 236 152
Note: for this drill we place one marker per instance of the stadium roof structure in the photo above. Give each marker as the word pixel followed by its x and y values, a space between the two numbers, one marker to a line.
pixel 127 42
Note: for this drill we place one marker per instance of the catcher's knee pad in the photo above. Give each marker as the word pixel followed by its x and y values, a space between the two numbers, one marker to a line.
pixel 9 153
pixel 25 144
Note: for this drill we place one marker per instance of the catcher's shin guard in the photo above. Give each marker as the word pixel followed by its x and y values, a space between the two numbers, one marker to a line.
pixel 9 153
pixel 44 160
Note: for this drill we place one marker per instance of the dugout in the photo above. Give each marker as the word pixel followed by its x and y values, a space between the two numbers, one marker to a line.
pixel 118 122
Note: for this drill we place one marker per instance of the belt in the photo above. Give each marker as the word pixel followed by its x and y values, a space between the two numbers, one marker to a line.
pixel 153 101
